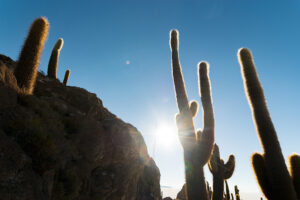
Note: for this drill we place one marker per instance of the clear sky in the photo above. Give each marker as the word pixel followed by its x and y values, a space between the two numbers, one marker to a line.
pixel 119 50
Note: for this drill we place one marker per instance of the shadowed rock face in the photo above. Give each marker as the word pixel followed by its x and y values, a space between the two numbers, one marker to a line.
pixel 181 194
pixel 61 143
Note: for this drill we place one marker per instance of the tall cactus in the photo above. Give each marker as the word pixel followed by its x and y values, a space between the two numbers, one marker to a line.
pixel 269 167
pixel 66 78
pixel 52 66
pixel 28 63
pixel 197 146
pixel 220 172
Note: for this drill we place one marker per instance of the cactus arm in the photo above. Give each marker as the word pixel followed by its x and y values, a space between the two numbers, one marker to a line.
pixel 294 162
pixel 205 93
pixel 181 96
pixel 28 63
pixel 278 175
pixel 259 167
pixel 52 65
pixel 184 119
pixel 206 137
pixel 213 163
pixel 66 78
pixel 194 108
pixel 229 167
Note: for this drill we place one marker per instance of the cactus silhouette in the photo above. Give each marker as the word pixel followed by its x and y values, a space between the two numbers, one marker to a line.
pixel 52 66
pixel 227 191
pixel 294 163
pixel 232 197
pixel 237 192
pixel 209 191
pixel 197 146
pixel 220 172
pixel 66 78
pixel 269 167
pixel 28 63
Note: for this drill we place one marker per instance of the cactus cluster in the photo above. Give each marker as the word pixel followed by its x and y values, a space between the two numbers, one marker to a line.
pixel 27 65
pixel 276 180
pixel 273 176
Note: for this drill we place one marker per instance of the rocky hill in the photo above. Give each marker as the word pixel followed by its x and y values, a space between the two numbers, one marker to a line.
pixel 62 143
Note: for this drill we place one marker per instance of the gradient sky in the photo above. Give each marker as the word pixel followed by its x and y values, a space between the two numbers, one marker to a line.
pixel 120 50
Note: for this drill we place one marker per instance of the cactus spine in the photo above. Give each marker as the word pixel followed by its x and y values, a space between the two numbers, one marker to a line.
pixel 198 146
pixel 220 172
pixel 66 78
pixel 52 65
pixel 28 63
pixel 270 169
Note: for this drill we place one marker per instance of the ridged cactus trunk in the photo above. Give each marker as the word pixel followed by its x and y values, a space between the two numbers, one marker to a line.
pixel 220 172
pixel 28 63
pixel 270 168
pixel 53 62
pixel 197 146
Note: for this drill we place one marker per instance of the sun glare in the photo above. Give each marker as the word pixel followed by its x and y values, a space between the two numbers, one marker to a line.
pixel 165 135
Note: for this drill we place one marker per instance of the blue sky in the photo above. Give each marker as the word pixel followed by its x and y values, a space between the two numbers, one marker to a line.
pixel 120 51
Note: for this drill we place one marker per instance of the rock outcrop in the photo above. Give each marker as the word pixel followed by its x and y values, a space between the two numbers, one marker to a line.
pixel 61 143
pixel 181 194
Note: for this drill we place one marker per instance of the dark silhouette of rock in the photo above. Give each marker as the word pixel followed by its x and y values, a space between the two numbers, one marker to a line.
pixel 61 143
pixel 181 194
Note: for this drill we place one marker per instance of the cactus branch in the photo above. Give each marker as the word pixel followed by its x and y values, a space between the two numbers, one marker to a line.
pixel 259 167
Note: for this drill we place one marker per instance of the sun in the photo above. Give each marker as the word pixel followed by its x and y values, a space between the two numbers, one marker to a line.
pixel 165 135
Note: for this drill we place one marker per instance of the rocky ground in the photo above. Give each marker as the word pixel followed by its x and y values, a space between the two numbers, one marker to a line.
pixel 62 143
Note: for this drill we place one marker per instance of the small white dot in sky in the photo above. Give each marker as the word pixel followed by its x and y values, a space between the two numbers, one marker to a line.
pixel 127 62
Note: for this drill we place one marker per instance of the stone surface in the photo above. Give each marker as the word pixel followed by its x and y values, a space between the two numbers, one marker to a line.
pixel 61 143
